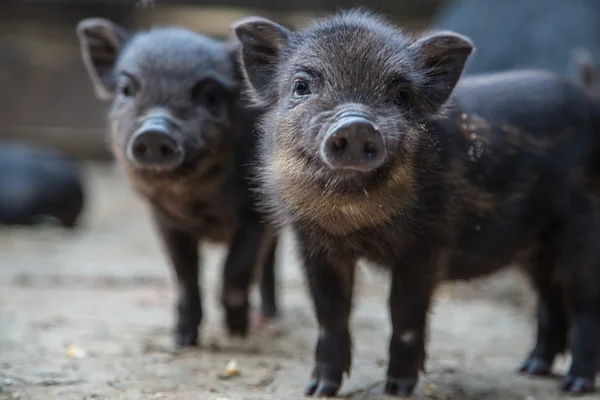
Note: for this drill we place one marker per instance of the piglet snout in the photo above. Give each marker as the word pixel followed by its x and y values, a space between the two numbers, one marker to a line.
pixel 155 146
pixel 353 142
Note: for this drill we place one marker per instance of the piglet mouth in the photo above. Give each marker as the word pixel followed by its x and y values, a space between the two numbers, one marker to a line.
pixel 156 146
pixel 353 144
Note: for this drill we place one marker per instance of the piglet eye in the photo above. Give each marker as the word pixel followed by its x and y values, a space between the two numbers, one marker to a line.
pixel 209 94
pixel 125 86
pixel 403 98
pixel 212 99
pixel 301 88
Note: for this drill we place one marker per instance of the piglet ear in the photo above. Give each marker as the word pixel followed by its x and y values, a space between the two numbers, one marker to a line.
pixel 584 61
pixel 261 44
pixel 442 56
pixel 101 42
pixel 233 48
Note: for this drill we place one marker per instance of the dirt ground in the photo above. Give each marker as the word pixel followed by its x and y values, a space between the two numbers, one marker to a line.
pixel 107 290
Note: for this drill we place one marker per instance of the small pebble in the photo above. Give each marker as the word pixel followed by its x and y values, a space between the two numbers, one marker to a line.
pixel 429 389
pixel 75 352
pixel 232 368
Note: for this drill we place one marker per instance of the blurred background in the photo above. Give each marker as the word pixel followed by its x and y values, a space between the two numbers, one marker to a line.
pixel 46 95
pixel 88 313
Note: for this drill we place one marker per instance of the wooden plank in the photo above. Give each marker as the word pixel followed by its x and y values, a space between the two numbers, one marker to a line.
pixel 90 144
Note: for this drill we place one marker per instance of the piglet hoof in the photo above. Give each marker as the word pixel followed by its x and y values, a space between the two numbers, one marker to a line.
pixel 326 381
pixel 577 385
pixel 237 320
pixel 400 386
pixel 186 335
pixel 268 311
pixel 321 389
pixel 536 366
pixel 189 316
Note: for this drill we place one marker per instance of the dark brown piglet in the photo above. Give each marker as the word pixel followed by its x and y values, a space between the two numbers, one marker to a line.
pixel 186 140
pixel 370 149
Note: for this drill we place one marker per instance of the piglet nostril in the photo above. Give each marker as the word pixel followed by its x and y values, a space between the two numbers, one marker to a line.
pixel 140 149
pixel 339 144
pixel 166 151
pixel 370 150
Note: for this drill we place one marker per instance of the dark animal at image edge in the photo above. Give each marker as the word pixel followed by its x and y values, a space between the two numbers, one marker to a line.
pixel 535 33
pixel 37 183
pixel 367 150
pixel 588 70
pixel 186 140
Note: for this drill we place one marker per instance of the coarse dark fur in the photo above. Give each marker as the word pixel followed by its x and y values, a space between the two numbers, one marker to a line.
pixel 192 82
pixel 502 171
pixel 36 183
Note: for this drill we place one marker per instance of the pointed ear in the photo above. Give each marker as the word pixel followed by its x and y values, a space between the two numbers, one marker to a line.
pixel 233 48
pixel 261 44
pixel 443 56
pixel 588 73
pixel 101 42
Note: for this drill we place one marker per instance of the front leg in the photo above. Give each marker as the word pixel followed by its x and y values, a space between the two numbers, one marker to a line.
pixel 182 250
pixel 412 288
pixel 267 283
pixel 331 284
pixel 249 248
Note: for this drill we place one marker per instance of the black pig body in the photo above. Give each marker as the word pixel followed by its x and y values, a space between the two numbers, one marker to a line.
pixel 186 139
pixel 367 153
pixel 535 33
pixel 35 183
